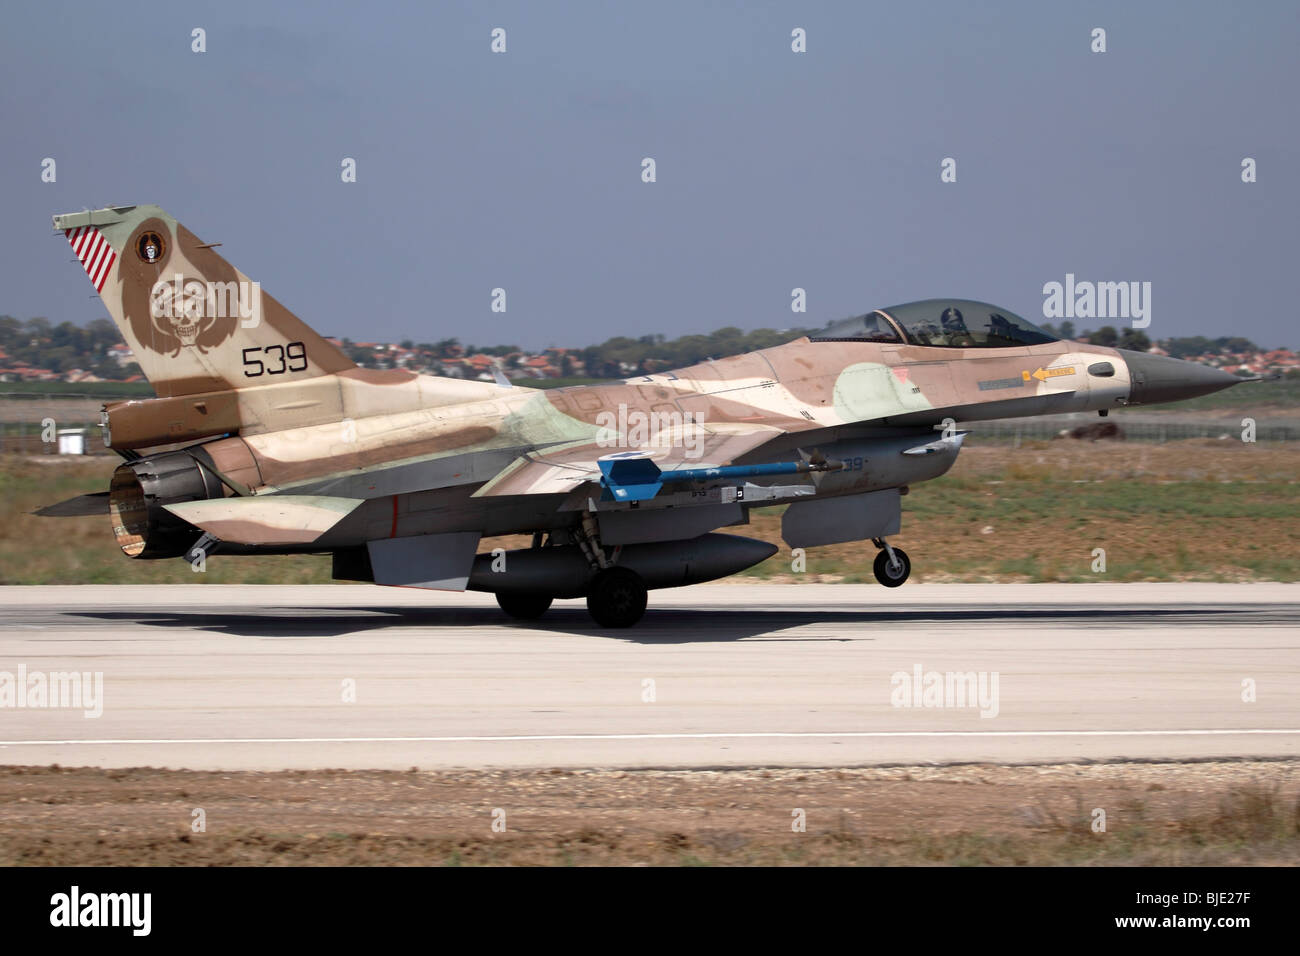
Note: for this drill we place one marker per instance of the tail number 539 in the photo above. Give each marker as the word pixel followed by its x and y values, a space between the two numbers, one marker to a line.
pixel 275 359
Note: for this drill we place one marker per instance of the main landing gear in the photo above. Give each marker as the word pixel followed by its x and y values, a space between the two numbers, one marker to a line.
pixel 616 598
pixel 892 566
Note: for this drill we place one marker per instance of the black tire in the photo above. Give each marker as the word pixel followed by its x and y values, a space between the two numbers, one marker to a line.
pixel 525 607
pixel 892 577
pixel 616 598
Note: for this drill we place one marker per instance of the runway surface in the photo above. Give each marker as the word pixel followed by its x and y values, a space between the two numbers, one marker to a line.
pixel 248 677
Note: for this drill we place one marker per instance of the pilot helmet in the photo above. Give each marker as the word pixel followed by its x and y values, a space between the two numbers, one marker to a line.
pixel 952 319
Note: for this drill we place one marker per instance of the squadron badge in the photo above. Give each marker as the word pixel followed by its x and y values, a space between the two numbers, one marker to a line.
pixel 149 247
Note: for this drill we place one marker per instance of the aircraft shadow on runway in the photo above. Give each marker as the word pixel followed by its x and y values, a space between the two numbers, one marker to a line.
pixel 684 626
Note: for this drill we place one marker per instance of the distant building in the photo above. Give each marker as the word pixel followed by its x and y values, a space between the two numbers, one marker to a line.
pixel 120 353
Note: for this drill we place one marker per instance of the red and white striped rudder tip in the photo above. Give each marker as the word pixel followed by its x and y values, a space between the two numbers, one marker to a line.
pixel 96 255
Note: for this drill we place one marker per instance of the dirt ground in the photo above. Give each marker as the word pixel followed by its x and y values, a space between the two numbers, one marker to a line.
pixel 1214 813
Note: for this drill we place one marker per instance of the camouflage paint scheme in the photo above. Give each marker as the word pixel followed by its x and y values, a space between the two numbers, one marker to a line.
pixel 316 454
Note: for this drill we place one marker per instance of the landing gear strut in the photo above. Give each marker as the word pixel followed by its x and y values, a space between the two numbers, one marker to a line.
pixel 892 566
pixel 616 598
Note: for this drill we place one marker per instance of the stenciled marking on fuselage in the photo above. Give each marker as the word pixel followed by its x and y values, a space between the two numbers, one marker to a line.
pixel 1042 374
pixel 990 384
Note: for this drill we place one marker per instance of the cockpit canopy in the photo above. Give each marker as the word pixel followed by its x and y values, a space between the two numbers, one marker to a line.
pixel 939 323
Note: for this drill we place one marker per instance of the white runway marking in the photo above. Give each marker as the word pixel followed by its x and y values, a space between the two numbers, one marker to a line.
pixel 759 735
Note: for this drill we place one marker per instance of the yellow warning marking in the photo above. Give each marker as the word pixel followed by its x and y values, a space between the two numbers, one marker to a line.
pixel 1042 374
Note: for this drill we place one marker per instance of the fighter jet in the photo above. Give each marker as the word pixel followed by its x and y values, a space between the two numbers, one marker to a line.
pixel 266 439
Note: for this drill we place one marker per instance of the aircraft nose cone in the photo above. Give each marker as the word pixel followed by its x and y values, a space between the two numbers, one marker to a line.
pixel 1159 378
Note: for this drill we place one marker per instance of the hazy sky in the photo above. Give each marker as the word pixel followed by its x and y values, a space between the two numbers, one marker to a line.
pixel 775 170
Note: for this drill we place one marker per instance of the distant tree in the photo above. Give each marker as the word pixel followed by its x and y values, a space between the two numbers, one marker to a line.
pixel 37 329
pixel 103 333
pixel 1067 329
pixel 106 368
pixel 1236 344
pixel 59 359
pixel 1184 346
pixel 358 355
pixel 66 335
pixel 1134 340
pixel 1106 335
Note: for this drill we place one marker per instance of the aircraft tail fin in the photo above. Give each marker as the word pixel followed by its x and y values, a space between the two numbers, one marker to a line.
pixel 194 322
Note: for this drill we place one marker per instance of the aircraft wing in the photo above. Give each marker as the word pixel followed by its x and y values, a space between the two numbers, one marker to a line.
pixel 268 519
pixel 563 468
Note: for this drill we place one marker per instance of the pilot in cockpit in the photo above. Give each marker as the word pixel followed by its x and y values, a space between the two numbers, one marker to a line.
pixel 954 327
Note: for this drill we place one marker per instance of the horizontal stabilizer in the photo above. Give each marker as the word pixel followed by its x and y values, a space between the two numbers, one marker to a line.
pixel 266 519
pixel 79 507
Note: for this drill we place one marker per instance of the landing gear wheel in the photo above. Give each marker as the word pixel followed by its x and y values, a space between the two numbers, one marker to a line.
pixel 525 607
pixel 892 574
pixel 616 598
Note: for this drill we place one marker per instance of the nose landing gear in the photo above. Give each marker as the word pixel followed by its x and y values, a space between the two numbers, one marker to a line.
pixel 892 566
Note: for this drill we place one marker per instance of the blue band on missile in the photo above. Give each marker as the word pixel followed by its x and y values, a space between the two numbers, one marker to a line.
pixel 639 479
